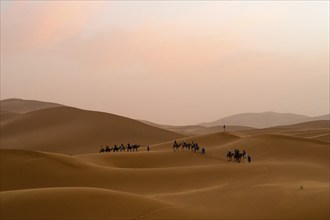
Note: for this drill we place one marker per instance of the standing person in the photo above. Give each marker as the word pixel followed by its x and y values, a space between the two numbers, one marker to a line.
pixel 224 128
pixel 230 154
pixel 148 148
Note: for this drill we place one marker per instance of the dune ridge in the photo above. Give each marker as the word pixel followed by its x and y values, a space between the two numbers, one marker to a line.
pixel 71 130
pixel 264 119
pixel 23 106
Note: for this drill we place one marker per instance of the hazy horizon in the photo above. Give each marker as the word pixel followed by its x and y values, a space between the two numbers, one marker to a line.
pixel 173 62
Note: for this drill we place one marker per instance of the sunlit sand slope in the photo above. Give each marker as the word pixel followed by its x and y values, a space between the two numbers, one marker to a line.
pixel 73 131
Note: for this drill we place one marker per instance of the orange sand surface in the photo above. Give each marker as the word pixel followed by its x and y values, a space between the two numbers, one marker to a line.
pixel 65 177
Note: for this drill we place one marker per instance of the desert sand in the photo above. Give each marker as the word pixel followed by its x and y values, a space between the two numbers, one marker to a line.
pixel 71 130
pixel 51 169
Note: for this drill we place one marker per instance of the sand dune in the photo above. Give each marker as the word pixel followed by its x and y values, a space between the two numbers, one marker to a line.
pixel 6 115
pixel 278 201
pixel 71 130
pixel 317 124
pixel 287 179
pixel 322 137
pixel 83 203
pixel 264 119
pixel 315 129
pixel 193 130
pixel 24 106
pixel 208 140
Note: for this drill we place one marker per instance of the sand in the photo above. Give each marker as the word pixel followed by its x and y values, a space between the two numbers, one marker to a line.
pixel 23 106
pixel 287 179
pixel 193 130
pixel 71 131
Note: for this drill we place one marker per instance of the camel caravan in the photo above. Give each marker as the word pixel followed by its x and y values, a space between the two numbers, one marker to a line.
pixel 120 148
pixel 189 146
pixel 237 155
pixel 193 146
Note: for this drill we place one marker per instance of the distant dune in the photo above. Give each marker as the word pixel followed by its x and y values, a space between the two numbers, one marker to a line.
pixel 317 124
pixel 264 120
pixel 318 130
pixel 191 130
pixel 23 106
pixel 71 130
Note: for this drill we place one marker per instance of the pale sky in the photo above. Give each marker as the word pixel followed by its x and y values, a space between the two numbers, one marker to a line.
pixel 168 62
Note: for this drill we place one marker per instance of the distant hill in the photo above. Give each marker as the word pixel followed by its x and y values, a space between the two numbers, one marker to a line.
pixel 71 130
pixel 320 118
pixel 192 130
pixel 24 106
pixel 263 120
pixel 317 124
pixel 318 130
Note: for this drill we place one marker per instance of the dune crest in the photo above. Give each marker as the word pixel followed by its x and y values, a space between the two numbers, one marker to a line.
pixel 71 130
pixel 23 106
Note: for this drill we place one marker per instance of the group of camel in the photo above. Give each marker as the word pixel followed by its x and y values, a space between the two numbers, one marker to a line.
pixel 120 148
pixel 238 156
pixel 189 146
